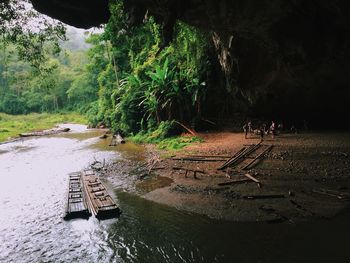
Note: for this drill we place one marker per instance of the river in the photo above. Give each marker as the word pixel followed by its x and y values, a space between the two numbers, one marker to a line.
pixel 34 179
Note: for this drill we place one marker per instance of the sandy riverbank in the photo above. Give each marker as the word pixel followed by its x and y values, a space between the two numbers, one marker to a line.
pixel 308 174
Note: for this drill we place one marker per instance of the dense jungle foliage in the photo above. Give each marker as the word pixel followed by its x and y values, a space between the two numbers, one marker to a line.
pixel 61 82
pixel 127 80
pixel 142 85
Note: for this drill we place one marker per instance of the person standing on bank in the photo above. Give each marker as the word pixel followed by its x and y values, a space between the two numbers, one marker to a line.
pixel 262 132
pixel 250 129
pixel 245 129
pixel 273 130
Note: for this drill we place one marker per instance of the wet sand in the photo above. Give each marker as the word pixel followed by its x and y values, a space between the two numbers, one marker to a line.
pixel 310 172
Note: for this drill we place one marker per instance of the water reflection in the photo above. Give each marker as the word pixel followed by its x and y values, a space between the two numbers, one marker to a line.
pixel 155 233
pixel 33 175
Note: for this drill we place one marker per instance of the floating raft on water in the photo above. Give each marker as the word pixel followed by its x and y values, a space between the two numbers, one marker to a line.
pixel 77 205
pixel 100 202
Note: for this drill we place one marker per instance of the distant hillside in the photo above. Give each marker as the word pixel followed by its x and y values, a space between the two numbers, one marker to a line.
pixel 75 39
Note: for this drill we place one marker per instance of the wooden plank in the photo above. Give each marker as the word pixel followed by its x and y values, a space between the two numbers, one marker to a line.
pixel 241 155
pixel 342 194
pixel 252 178
pixel 76 203
pixel 235 182
pixel 223 166
pixel 252 197
pixel 99 201
pixel 339 196
pixel 257 157
pixel 189 170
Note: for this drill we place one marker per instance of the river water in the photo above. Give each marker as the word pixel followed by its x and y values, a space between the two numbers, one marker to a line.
pixel 34 179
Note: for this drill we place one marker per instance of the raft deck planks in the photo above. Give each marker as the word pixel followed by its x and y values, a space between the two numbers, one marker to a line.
pixel 76 206
pixel 100 202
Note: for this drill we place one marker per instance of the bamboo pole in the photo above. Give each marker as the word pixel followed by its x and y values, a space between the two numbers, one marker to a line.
pixel 257 157
pixel 243 154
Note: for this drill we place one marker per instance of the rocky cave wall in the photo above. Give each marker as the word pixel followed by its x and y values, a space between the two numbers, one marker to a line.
pixel 288 58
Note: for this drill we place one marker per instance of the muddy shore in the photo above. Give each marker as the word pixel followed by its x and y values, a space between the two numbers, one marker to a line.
pixel 304 177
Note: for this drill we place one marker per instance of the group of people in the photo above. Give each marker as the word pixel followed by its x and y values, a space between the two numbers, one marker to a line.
pixel 273 129
pixel 262 130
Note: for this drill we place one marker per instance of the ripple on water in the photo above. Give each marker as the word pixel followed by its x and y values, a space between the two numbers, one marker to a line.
pixel 33 203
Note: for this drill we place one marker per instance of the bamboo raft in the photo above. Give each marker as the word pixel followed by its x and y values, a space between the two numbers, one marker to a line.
pixel 77 205
pixel 100 202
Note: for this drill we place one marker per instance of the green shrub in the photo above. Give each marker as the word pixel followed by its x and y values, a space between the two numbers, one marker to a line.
pixel 164 137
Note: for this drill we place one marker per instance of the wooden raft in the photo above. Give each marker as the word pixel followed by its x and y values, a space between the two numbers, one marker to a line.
pixel 77 205
pixel 100 202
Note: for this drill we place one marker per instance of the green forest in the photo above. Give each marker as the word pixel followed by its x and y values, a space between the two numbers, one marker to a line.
pixel 126 78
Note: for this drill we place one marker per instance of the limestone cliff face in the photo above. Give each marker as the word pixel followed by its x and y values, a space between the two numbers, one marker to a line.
pixel 290 54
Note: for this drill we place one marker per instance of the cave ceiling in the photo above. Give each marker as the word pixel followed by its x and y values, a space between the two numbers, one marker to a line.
pixel 265 47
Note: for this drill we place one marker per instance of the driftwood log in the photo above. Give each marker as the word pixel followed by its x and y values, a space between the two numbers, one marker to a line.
pixel 45 132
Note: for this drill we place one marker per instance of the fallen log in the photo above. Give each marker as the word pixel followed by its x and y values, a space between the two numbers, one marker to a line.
pixel 235 182
pixel 45 132
pixel 186 128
